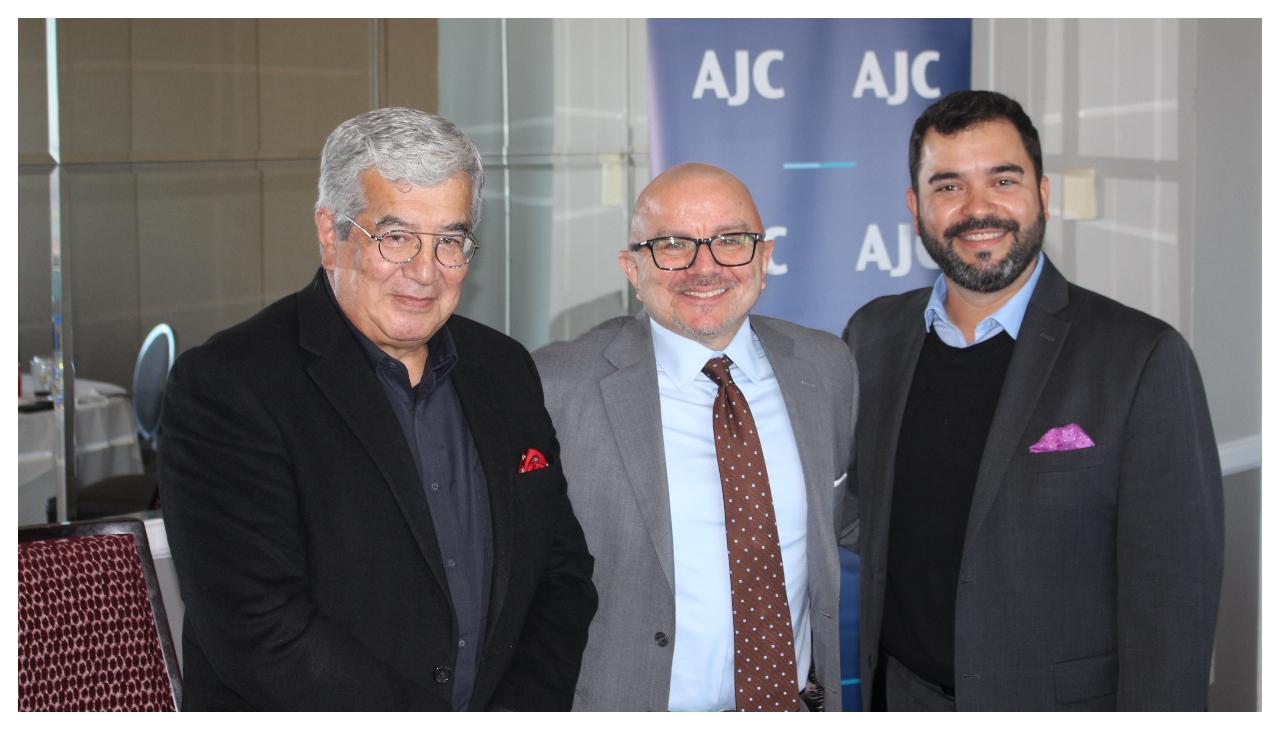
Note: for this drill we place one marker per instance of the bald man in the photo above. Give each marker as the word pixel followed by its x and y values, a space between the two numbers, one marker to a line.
pixel 705 450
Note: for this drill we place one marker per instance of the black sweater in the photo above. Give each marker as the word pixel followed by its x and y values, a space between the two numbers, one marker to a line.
pixel 949 410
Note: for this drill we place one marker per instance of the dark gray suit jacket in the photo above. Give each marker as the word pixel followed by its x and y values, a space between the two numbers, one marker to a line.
pixel 1090 578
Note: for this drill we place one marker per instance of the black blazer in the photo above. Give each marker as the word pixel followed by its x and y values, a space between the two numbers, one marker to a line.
pixel 1089 578
pixel 304 547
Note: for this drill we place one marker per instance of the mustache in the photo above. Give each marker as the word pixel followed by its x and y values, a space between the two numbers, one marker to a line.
pixel 975 224
pixel 710 282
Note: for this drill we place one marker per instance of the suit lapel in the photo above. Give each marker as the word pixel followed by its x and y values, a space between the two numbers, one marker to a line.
pixel 807 405
pixel 902 351
pixel 635 413
pixel 1039 341
pixel 471 379
pixel 798 380
pixel 342 373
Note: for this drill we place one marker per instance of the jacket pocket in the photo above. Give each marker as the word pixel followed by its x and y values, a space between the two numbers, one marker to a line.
pixel 547 480
pixel 1086 679
pixel 1064 460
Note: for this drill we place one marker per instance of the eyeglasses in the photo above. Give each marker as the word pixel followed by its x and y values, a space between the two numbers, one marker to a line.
pixel 673 253
pixel 452 250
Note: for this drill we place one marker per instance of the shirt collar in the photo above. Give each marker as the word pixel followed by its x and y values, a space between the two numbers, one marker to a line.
pixel 1009 316
pixel 442 354
pixel 682 359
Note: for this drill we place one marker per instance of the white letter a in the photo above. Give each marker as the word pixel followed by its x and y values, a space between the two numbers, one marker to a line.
pixel 869 77
pixel 873 250
pixel 711 77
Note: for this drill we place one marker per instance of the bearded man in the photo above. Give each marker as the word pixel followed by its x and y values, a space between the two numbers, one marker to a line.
pixel 1036 483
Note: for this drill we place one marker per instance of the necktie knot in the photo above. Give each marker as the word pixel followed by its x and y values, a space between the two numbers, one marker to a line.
pixel 717 368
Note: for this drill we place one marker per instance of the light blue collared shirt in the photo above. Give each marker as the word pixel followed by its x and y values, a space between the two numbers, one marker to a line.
pixel 702 662
pixel 1007 318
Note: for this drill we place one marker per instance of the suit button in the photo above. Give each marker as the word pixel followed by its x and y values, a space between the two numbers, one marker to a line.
pixel 660 639
pixel 443 674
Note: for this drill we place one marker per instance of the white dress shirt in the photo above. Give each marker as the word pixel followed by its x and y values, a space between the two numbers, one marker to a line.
pixel 702 668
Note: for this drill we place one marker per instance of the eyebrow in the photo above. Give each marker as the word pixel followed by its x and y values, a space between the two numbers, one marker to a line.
pixel 391 220
pixel 1007 167
pixel 731 227
pixel 943 176
pixel 998 169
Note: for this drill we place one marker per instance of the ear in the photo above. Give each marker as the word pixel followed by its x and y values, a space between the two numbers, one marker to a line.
pixel 1044 195
pixel 765 251
pixel 913 204
pixel 328 236
pixel 629 267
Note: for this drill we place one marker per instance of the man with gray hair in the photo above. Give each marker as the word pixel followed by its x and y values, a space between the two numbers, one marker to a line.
pixel 362 490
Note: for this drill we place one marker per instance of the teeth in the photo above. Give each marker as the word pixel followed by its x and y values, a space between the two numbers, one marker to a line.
pixel 704 294
pixel 983 236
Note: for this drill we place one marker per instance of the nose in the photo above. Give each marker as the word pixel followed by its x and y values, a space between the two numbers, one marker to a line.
pixel 978 203
pixel 703 262
pixel 423 269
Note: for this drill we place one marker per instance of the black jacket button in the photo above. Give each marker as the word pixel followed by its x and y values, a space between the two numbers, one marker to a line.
pixel 443 674
pixel 660 639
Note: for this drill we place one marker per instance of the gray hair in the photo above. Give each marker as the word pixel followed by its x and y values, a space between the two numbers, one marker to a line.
pixel 405 145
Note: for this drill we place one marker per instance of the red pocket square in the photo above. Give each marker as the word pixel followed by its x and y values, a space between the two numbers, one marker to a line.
pixel 532 459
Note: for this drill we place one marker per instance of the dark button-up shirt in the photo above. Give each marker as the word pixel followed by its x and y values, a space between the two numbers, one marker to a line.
pixel 453 480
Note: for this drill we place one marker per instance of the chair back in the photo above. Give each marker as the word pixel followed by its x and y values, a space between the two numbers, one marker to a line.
pixel 92 631
pixel 149 376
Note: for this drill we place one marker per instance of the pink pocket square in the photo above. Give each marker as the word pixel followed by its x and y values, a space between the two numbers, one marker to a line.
pixel 1063 438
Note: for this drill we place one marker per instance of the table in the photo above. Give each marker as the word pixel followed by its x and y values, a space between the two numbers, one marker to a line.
pixel 167 577
pixel 106 446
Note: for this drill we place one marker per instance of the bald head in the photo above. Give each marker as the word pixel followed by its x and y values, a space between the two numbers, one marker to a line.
pixel 686 186
pixel 706 301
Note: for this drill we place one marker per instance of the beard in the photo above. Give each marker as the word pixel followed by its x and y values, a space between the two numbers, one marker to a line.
pixel 985 276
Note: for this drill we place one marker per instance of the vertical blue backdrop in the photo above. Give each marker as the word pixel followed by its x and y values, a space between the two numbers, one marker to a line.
pixel 776 107
pixel 827 211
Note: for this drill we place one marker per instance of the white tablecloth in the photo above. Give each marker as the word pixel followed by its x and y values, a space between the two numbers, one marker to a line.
pixel 106 446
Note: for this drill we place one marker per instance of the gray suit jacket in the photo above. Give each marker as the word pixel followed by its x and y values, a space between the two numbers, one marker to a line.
pixel 1089 578
pixel 602 393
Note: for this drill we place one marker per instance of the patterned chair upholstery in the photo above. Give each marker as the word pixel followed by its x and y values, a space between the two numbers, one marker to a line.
pixel 92 632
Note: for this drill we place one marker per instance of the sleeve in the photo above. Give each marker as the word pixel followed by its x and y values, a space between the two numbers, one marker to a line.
pixel 850 531
pixel 1169 537
pixel 231 512
pixel 548 655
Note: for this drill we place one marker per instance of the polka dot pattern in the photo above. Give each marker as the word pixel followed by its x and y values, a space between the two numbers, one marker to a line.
pixel 764 658
pixel 86 638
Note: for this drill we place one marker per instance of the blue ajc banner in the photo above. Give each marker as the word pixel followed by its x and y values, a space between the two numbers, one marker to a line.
pixel 814 116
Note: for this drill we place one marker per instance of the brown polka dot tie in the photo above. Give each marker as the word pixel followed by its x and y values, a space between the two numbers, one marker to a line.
pixel 764 659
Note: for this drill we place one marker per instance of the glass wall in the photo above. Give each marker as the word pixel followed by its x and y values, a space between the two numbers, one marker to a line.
pixel 189 158
pixel 558 108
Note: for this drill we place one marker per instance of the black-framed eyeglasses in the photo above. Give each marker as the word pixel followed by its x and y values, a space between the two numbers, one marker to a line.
pixel 453 250
pixel 673 253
